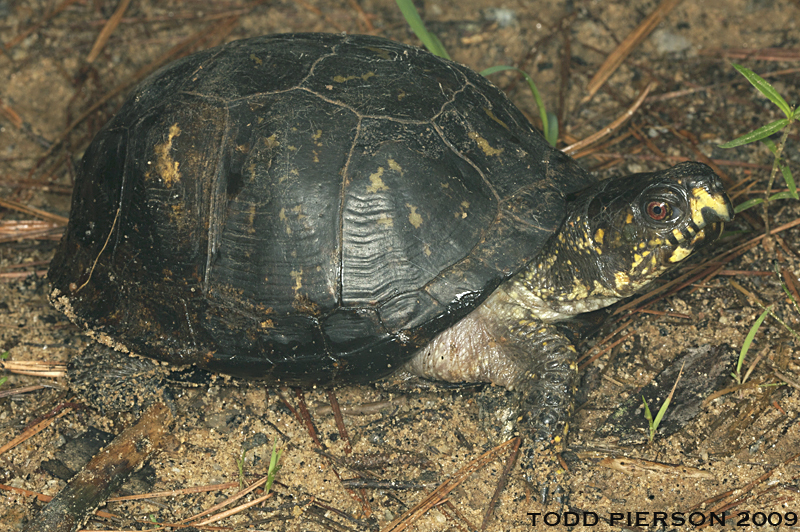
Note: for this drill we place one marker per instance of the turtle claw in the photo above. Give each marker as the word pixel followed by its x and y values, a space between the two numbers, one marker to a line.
pixel 500 414
pixel 543 471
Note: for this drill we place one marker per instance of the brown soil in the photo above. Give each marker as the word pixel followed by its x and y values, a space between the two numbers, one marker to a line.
pixel 700 102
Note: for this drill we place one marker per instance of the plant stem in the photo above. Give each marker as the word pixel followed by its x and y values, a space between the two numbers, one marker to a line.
pixel 775 167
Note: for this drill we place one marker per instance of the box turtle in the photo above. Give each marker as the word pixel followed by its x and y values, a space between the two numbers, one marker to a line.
pixel 316 209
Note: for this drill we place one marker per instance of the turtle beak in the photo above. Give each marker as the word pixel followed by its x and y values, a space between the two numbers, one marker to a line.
pixel 710 208
pixel 709 203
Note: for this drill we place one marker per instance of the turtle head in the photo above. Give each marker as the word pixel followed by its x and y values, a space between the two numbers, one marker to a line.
pixel 641 225
pixel 620 234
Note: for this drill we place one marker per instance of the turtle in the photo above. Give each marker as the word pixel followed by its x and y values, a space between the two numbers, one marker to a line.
pixel 323 209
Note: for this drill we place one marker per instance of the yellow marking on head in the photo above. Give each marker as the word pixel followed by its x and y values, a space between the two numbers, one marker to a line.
pixel 699 237
pixel 483 144
pixel 377 184
pixel 414 218
pixel 638 258
pixel 656 242
pixel 598 237
pixel 579 291
pixel 629 218
pixel 701 199
pixel 680 253
pixel 678 235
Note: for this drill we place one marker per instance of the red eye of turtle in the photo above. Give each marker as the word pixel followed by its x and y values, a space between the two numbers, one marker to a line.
pixel 658 210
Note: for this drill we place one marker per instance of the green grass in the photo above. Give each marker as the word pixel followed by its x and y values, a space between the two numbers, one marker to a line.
pixel 763 133
pixel 654 423
pixel 4 356
pixel 272 471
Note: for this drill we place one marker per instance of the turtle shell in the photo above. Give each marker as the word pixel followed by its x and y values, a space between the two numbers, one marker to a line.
pixel 304 208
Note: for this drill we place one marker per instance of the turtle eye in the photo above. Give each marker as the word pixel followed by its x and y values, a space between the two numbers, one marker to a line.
pixel 658 210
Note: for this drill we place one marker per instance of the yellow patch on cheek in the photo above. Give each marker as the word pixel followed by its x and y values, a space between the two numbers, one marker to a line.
pixel 680 253
pixel 701 199
pixel 699 237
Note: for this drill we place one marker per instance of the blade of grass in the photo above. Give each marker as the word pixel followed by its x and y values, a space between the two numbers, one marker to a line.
pixel 758 134
pixel 429 40
pixel 765 88
pixel 749 340
pixel 789 178
pixel 549 126
pixel 757 201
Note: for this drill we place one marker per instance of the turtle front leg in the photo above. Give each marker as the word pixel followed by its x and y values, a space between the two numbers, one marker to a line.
pixel 546 380
pixel 509 346
pixel 546 385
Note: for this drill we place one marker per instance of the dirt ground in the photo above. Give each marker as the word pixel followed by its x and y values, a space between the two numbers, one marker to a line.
pixel 735 454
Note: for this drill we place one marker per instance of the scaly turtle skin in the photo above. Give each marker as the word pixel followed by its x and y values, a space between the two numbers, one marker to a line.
pixel 326 209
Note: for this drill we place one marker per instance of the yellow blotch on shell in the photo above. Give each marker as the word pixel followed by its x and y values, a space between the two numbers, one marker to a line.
pixel 363 77
pixel 484 145
pixel 621 280
pixel 493 117
pixel 376 183
pixel 166 166
pixel 272 141
pixel 394 165
pixel 282 217
pixel 414 217
pixel 298 279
